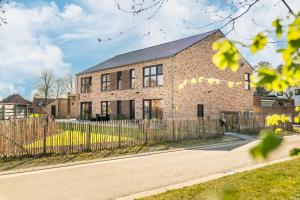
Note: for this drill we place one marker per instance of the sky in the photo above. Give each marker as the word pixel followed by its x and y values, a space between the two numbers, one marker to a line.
pixel 63 35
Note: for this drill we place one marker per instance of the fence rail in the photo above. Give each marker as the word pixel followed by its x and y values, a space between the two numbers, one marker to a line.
pixel 39 136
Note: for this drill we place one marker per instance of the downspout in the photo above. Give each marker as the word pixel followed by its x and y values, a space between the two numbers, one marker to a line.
pixel 172 87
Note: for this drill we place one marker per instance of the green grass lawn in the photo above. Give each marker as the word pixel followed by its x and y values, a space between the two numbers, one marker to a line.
pixel 279 182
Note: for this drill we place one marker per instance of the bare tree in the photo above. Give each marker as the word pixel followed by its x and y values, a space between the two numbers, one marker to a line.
pixel 2 13
pixel 289 94
pixel 59 87
pixel 70 83
pixel 45 85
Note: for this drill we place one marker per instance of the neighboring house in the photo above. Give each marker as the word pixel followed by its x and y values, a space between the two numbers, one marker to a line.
pixel 176 79
pixel 38 105
pixel 14 106
pixel 63 108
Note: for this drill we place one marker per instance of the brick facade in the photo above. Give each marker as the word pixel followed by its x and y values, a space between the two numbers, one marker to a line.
pixel 189 64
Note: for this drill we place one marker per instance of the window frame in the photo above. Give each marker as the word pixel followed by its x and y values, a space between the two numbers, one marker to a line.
pixel 119 80
pixel 155 75
pixel 132 79
pixel 151 107
pixel 297 92
pixel 247 81
pixel 90 106
pixel 86 87
pixel 200 112
pixel 119 107
pixel 105 84
pixel 132 109
pixel 105 104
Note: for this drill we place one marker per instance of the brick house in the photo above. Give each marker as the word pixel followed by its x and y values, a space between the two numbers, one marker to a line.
pixel 175 79
pixel 13 107
pixel 63 108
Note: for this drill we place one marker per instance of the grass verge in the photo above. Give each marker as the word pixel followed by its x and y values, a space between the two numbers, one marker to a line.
pixel 278 181
pixel 29 162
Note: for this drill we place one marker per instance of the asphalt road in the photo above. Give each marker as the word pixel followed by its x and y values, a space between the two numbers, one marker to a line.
pixel 116 178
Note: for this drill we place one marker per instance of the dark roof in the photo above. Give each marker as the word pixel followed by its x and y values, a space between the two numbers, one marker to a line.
pixel 151 53
pixel 40 102
pixel 15 99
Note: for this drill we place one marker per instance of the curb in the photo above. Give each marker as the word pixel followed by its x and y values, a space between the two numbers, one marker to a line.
pixel 35 169
pixel 200 180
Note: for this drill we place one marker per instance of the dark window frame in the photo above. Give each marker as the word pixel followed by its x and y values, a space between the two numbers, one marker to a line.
pixel 200 110
pixel 247 81
pixel 86 86
pixel 119 80
pixel 105 84
pixel 90 106
pixel 156 75
pixel 119 107
pixel 107 107
pixel 297 92
pixel 132 78
pixel 150 107
pixel 132 109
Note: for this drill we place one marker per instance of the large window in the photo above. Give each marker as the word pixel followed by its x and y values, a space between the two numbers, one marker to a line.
pixel 105 108
pixel 119 107
pixel 153 76
pixel 86 110
pixel 247 81
pixel 153 108
pixel 119 80
pixel 105 82
pixel 86 85
pixel 132 78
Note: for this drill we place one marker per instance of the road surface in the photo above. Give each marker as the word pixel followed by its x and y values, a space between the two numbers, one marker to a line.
pixel 117 178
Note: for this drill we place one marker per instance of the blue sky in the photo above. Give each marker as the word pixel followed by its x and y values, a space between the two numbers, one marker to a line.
pixel 62 35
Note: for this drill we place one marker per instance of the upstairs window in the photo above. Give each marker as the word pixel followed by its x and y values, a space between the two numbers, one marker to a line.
pixel 86 85
pixel 105 82
pixel 119 80
pixel 247 81
pixel 132 78
pixel 297 92
pixel 153 76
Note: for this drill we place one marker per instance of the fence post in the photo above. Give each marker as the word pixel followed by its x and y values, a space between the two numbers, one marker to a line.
pixel 119 135
pixel 145 131
pixel 45 136
pixel 88 138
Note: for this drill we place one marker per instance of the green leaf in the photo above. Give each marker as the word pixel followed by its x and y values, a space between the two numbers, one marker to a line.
pixel 269 143
pixel 278 27
pixel 295 152
pixel 227 55
pixel 259 42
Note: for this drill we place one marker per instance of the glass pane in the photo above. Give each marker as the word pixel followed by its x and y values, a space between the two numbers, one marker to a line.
pixel 160 69
pixel 157 109
pixel 104 78
pixel 146 82
pixel 132 73
pixel 132 83
pixel 108 86
pixel 160 80
pixel 246 77
pixel 146 109
pixel 153 70
pixel 152 80
pixel 146 71
pixel 107 77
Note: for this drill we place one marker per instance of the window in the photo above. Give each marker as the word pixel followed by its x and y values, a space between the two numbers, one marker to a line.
pixel 280 94
pixel 86 110
pixel 200 110
pixel 105 82
pixel 119 80
pixel 153 76
pixel 297 92
pixel 86 85
pixel 247 81
pixel 119 107
pixel 153 108
pixel 105 108
pixel 132 109
pixel 132 78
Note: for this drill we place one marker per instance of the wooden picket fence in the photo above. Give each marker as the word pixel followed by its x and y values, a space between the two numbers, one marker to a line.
pixel 38 136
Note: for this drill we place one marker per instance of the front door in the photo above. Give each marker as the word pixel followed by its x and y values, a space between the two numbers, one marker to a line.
pixel 53 110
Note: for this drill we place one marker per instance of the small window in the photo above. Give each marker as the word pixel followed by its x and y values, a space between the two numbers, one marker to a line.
pixel 86 85
pixel 153 108
pixel 86 110
pixel 200 110
pixel 297 92
pixel 247 81
pixel 132 109
pixel 280 94
pixel 153 76
pixel 105 108
pixel 119 80
pixel 132 78
pixel 105 82
pixel 119 107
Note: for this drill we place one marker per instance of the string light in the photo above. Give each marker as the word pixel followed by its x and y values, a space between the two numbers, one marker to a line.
pixel 211 81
